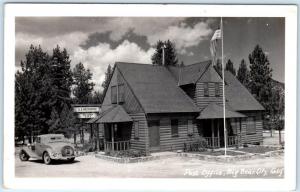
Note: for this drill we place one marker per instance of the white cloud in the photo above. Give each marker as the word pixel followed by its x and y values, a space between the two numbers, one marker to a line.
pixel 183 36
pixel 99 57
pixel 69 41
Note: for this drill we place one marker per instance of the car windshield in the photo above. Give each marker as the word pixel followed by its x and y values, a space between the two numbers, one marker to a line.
pixel 56 139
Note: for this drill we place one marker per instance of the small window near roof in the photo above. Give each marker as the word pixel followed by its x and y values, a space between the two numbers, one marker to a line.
pixel 113 94
pixel 136 129
pixel 121 93
pixel 206 93
pixel 174 127
pixel 217 89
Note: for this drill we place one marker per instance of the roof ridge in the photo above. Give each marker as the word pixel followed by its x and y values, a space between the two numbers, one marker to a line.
pixel 197 63
pixel 133 63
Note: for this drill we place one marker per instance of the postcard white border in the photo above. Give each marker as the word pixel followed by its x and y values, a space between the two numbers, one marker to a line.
pixel 134 10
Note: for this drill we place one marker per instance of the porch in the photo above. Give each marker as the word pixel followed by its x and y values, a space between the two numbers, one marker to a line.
pixel 211 124
pixel 117 128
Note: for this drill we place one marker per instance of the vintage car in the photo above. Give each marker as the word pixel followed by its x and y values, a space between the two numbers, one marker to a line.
pixel 49 147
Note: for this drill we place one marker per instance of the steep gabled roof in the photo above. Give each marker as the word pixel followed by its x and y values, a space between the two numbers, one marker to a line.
pixel 238 96
pixel 155 88
pixel 189 73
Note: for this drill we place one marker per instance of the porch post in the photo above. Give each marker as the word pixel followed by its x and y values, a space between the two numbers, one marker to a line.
pixel 218 129
pixel 112 136
pixel 212 133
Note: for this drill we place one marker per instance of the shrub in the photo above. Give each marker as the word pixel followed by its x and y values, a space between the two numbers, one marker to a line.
pixel 197 146
pixel 129 153
pixel 86 147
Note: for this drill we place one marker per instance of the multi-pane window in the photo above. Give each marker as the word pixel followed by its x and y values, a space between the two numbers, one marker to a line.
pixel 206 93
pixel 217 89
pixel 117 93
pixel 174 127
pixel 190 127
pixel 136 129
pixel 251 129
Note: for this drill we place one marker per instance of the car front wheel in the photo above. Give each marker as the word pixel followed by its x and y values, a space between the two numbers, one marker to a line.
pixel 23 156
pixel 46 158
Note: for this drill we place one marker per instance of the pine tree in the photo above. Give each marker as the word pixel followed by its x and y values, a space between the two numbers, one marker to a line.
pixel 243 73
pixel 61 76
pixel 83 85
pixel 170 54
pixel 230 67
pixel 108 75
pixel 260 77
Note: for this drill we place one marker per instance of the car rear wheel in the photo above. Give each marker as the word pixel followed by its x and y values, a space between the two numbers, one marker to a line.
pixel 46 158
pixel 23 156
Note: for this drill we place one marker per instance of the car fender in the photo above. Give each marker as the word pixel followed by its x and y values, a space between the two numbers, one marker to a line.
pixel 50 152
pixel 25 151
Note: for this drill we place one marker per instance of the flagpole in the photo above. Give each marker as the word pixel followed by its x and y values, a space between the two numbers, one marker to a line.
pixel 223 77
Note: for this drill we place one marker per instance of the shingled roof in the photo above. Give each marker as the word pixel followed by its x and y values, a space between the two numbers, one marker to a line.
pixel 237 95
pixel 156 88
pixel 189 73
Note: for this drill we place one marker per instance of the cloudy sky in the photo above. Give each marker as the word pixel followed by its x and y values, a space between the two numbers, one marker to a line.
pixel 99 41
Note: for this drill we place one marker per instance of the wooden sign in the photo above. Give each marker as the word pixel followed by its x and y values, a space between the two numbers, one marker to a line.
pixel 86 109
pixel 87 115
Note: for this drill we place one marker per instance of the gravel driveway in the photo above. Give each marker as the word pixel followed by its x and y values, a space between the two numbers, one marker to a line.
pixel 90 166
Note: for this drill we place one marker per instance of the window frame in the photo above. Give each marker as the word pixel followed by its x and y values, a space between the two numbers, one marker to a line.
pixel 121 95
pixel 206 89
pixel 190 127
pixel 113 98
pixel 174 126
pixel 136 127
pixel 253 123
pixel 217 87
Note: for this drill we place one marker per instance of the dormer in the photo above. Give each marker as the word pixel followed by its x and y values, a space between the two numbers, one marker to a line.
pixel 210 83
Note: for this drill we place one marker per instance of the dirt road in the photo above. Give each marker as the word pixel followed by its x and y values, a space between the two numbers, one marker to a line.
pixel 90 166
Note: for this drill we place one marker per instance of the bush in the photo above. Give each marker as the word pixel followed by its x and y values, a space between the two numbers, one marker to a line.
pixel 198 146
pixel 129 153
pixel 86 147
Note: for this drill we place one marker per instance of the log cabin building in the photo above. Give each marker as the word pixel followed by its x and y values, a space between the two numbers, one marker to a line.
pixel 160 108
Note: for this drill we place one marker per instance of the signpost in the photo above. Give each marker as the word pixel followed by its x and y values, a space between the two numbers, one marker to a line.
pixel 85 112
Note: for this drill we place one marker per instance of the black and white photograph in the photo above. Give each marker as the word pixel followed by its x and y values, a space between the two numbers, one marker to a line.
pixel 160 97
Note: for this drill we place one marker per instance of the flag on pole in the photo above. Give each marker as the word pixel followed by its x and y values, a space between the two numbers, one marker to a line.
pixel 213 44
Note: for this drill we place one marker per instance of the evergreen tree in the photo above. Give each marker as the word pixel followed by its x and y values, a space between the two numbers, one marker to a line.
pixel 83 85
pixel 243 73
pixel 230 67
pixel 170 54
pixel 108 75
pixel 33 91
pixel 260 77
pixel 61 76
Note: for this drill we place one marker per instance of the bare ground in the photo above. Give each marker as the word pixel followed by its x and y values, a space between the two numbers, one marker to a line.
pixel 175 167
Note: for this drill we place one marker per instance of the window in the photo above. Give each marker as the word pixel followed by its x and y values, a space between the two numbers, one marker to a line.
pixel 117 91
pixel 251 129
pixel 121 93
pixel 217 89
pixel 190 127
pixel 113 94
pixel 136 129
pixel 174 127
pixel 206 93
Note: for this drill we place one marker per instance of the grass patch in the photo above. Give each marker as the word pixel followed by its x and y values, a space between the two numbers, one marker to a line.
pixel 221 152
pixel 257 149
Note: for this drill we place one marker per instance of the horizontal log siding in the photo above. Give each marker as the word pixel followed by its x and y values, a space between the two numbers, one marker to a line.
pixel 202 101
pixel 131 105
pixel 140 143
pixel 252 138
pixel 169 143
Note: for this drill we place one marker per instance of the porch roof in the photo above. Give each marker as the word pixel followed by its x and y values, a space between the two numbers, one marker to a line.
pixel 115 114
pixel 214 111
